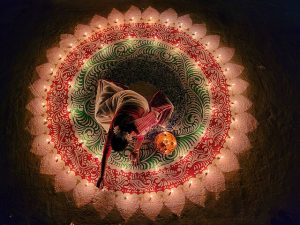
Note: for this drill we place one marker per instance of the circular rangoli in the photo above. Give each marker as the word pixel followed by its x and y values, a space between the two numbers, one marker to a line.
pixel 209 122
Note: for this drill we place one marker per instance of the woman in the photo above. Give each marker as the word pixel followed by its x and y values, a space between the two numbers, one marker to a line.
pixel 123 114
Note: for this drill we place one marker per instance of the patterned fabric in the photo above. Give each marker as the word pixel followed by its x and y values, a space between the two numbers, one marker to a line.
pixel 161 111
pixel 112 98
pixel 145 123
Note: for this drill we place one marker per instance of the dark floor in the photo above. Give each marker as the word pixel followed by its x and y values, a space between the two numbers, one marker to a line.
pixel 266 35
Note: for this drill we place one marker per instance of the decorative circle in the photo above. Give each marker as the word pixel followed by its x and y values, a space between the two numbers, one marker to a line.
pixel 210 122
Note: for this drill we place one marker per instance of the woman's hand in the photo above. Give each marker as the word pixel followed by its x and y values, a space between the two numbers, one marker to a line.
pixel 100 183
pixel 164 125
pixel 135 154
pixel 135 157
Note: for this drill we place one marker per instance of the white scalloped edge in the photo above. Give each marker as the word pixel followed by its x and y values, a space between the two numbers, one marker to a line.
pixel 211 180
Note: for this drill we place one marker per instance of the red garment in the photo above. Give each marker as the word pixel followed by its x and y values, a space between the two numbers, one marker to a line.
pixel 161 110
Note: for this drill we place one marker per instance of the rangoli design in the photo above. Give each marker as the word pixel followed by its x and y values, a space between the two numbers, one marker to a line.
pixel 210 121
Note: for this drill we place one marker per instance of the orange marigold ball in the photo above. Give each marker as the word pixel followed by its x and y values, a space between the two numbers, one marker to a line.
pixel 165 142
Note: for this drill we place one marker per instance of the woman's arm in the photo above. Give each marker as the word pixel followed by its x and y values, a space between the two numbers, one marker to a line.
pixel 139 143
pixel 106 153
pixel 136 151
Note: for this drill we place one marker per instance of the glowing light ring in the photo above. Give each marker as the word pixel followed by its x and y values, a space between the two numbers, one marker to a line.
pixel 85 165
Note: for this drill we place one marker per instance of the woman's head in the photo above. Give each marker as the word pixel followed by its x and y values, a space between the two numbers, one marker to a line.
pixel 122 128
pixel 119 142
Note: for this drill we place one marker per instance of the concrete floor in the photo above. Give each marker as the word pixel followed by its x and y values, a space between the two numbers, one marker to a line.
pixel 266 36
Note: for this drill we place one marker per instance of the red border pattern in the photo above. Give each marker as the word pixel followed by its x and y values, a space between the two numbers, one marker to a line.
pixel 85 165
